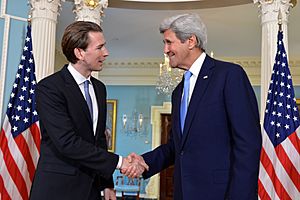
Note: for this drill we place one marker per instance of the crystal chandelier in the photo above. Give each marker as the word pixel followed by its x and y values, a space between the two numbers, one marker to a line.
pixel 168 78
pixel 134 125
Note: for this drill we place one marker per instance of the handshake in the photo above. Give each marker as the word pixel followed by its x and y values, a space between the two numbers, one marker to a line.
pixel 133 165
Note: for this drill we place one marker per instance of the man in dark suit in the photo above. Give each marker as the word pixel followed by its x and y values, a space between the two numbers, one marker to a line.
pixel 74 163
pixel 215 147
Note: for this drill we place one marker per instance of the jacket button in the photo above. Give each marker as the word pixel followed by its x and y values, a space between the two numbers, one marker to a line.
pixel 181 153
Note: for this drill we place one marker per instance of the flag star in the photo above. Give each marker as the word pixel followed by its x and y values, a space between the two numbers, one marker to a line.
pixel 287 126
pixel 289 77
pixel 278 124
pixel 27 39
pixel 30 60
pixel 276 93
pixel 277 72
pixel 277 135
pixel 288 106
pixel 33 82
pixel 275 103
pixel 281 84
pixel 283 64
pixel 279 42
pixel 282 74
pixel 34 113
pixel 12 95
pixel 295 108
pixel 15 128
pixel 284 55
pixel 295 118
pixel 23 57
pixel 268 101
pixel 21 98
pixel 20 66
pixel 17 75
pixel 288 96
pixel 280 104
pixel 19 108
pixel 273 71
pixel 266 111
pixel 281 94
pixel 28 70
pixel 26 79
pixel 294 99
pixel 287 116
pixel 272 123
pixel 269 91
pixel 24 88
pixel 288 86
pixel 9 105
pixel 279 114
pixel 27 110
pixel 25 48
pixel 31 91
pixel 15 85
pixel 273 113
pixel 271 81
pixel 17 117
pixel 29 100
pixel 25 120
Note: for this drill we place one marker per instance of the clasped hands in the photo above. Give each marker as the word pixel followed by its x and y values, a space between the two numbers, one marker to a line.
pixel 133 166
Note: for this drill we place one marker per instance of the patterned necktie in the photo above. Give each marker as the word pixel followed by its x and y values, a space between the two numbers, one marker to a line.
pixel 185 98
pixel 88 97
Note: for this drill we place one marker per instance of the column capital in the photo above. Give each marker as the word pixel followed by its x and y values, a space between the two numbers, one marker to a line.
pixel 90 10
pixel 47 9
pixel 269 9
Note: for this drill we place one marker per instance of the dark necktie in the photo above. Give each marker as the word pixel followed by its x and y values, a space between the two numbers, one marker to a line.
pixel 88 97
pixel 185 98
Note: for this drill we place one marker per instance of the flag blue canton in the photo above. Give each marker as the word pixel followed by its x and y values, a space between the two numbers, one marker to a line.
pixel 21 109
pixel 281 115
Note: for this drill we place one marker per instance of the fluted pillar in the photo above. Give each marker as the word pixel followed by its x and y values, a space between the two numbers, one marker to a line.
pixel 270 11
pixel 44 19
pixel 90 10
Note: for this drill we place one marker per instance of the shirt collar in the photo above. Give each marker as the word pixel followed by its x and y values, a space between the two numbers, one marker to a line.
pixel 77 76
pixel 196 66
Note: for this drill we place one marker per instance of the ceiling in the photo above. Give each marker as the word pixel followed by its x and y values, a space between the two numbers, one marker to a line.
pixel 234 29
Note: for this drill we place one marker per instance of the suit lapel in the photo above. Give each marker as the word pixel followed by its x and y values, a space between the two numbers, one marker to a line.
pixel 199 90
pixel 74 90
pixel 176 108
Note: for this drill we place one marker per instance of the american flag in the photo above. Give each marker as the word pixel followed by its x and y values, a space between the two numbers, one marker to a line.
pixel 280 156
pixel 20 135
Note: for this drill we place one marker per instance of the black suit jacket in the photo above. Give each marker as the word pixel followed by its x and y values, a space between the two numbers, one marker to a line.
pixel 72 159
pixel 217 156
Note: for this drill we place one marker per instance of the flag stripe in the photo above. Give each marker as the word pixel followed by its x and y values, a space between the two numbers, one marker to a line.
pixel 13 168
pixel 263 193
pixel 267 164
pixel 35 132
pixel 9 184
pixel 295 141
pixel 24 150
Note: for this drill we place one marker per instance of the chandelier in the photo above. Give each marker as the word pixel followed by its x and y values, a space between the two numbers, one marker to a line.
pixel 168 78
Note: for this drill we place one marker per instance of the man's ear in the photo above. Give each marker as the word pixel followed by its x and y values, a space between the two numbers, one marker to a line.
pixel 192 42
pixel 79 53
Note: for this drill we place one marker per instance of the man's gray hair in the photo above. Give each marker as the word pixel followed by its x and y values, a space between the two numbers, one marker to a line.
pixel 184 26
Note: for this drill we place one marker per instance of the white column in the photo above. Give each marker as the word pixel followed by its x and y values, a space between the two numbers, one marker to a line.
pixel 269 10
pixel 90 10
pixel 44 19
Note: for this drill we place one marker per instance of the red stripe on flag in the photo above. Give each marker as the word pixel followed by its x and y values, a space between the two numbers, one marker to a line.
pixel 35 132
pixel 262 193
pixel 24 149
pixel 3 193
pixel 12 166
pixel 266 162
pixel 288 166
pixel 295 141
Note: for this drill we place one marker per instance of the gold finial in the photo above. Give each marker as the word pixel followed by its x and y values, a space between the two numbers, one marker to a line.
pixel 293 2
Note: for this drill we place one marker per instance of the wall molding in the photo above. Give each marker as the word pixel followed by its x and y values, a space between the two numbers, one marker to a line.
pixel 145 71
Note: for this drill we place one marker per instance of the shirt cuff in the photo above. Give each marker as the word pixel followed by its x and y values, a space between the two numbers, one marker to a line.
pixel 120 162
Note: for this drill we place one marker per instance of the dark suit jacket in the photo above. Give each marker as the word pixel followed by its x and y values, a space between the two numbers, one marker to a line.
pixel 72 160
pixel 217 156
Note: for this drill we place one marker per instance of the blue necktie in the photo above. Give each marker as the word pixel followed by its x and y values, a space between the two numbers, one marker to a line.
pixel 185 98
pixel 88 97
